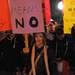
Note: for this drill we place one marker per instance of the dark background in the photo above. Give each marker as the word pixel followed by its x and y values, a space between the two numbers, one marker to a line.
pixel 56 14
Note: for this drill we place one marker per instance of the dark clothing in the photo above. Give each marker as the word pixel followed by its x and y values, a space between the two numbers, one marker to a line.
pixel 20 42
pixel 7 73
pixel 52 62
pixel 71 50
pixel 7 56
pixel 71 53
pixel 40 68
pixel 19 45
pixel 23 59
pixel 60 48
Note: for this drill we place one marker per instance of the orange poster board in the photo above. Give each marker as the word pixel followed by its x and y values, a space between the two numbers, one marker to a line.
pixel 4 16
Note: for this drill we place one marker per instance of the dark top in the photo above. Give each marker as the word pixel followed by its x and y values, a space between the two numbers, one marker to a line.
pixel 71 52
pixel 40 69
pixel 7 55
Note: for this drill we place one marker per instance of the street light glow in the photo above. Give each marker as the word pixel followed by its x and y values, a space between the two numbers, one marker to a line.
pixel 60 5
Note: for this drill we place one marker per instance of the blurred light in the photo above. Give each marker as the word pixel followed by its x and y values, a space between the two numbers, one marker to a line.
pixel 51 20
pixel 60 5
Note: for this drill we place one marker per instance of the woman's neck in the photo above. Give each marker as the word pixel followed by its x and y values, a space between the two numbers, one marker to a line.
pixel 39 46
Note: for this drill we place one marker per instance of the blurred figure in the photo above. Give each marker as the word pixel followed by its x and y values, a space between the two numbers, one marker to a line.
pixel 54 24
pixel 50 36
pixel 71 55
pixel 42 57
pixel 23 54
pixel 60 42
pixel 50 33
pixel 7 54
pixel 61 47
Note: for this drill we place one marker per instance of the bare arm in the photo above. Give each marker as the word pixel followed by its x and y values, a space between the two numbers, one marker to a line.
pixel 46 61
pixel 32 61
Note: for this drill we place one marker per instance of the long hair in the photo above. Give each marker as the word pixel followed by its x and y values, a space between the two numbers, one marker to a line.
pixel 45 57
pixel 44 37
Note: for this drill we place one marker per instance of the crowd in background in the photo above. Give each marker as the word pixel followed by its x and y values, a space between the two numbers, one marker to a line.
pixel 44 50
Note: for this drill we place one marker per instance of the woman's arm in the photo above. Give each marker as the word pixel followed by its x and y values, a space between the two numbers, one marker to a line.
pixel 46 61
pixel 32 61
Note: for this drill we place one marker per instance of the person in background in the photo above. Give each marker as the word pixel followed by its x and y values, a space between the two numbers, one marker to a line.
pixel 50 36
pixel 60 43
pixel 50 33
pixel 7 54
pixel 71 53
pixel 61 49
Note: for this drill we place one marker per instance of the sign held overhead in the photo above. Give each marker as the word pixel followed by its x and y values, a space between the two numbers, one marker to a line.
pixel 26 16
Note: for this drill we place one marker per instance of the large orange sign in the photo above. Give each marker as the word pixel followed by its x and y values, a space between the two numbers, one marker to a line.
pixel 4 16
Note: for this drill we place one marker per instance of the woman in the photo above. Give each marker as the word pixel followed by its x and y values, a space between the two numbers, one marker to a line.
pixel 39 47
pixel 39 57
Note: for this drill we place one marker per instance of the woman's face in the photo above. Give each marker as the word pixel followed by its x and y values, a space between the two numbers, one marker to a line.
pixel 39 39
